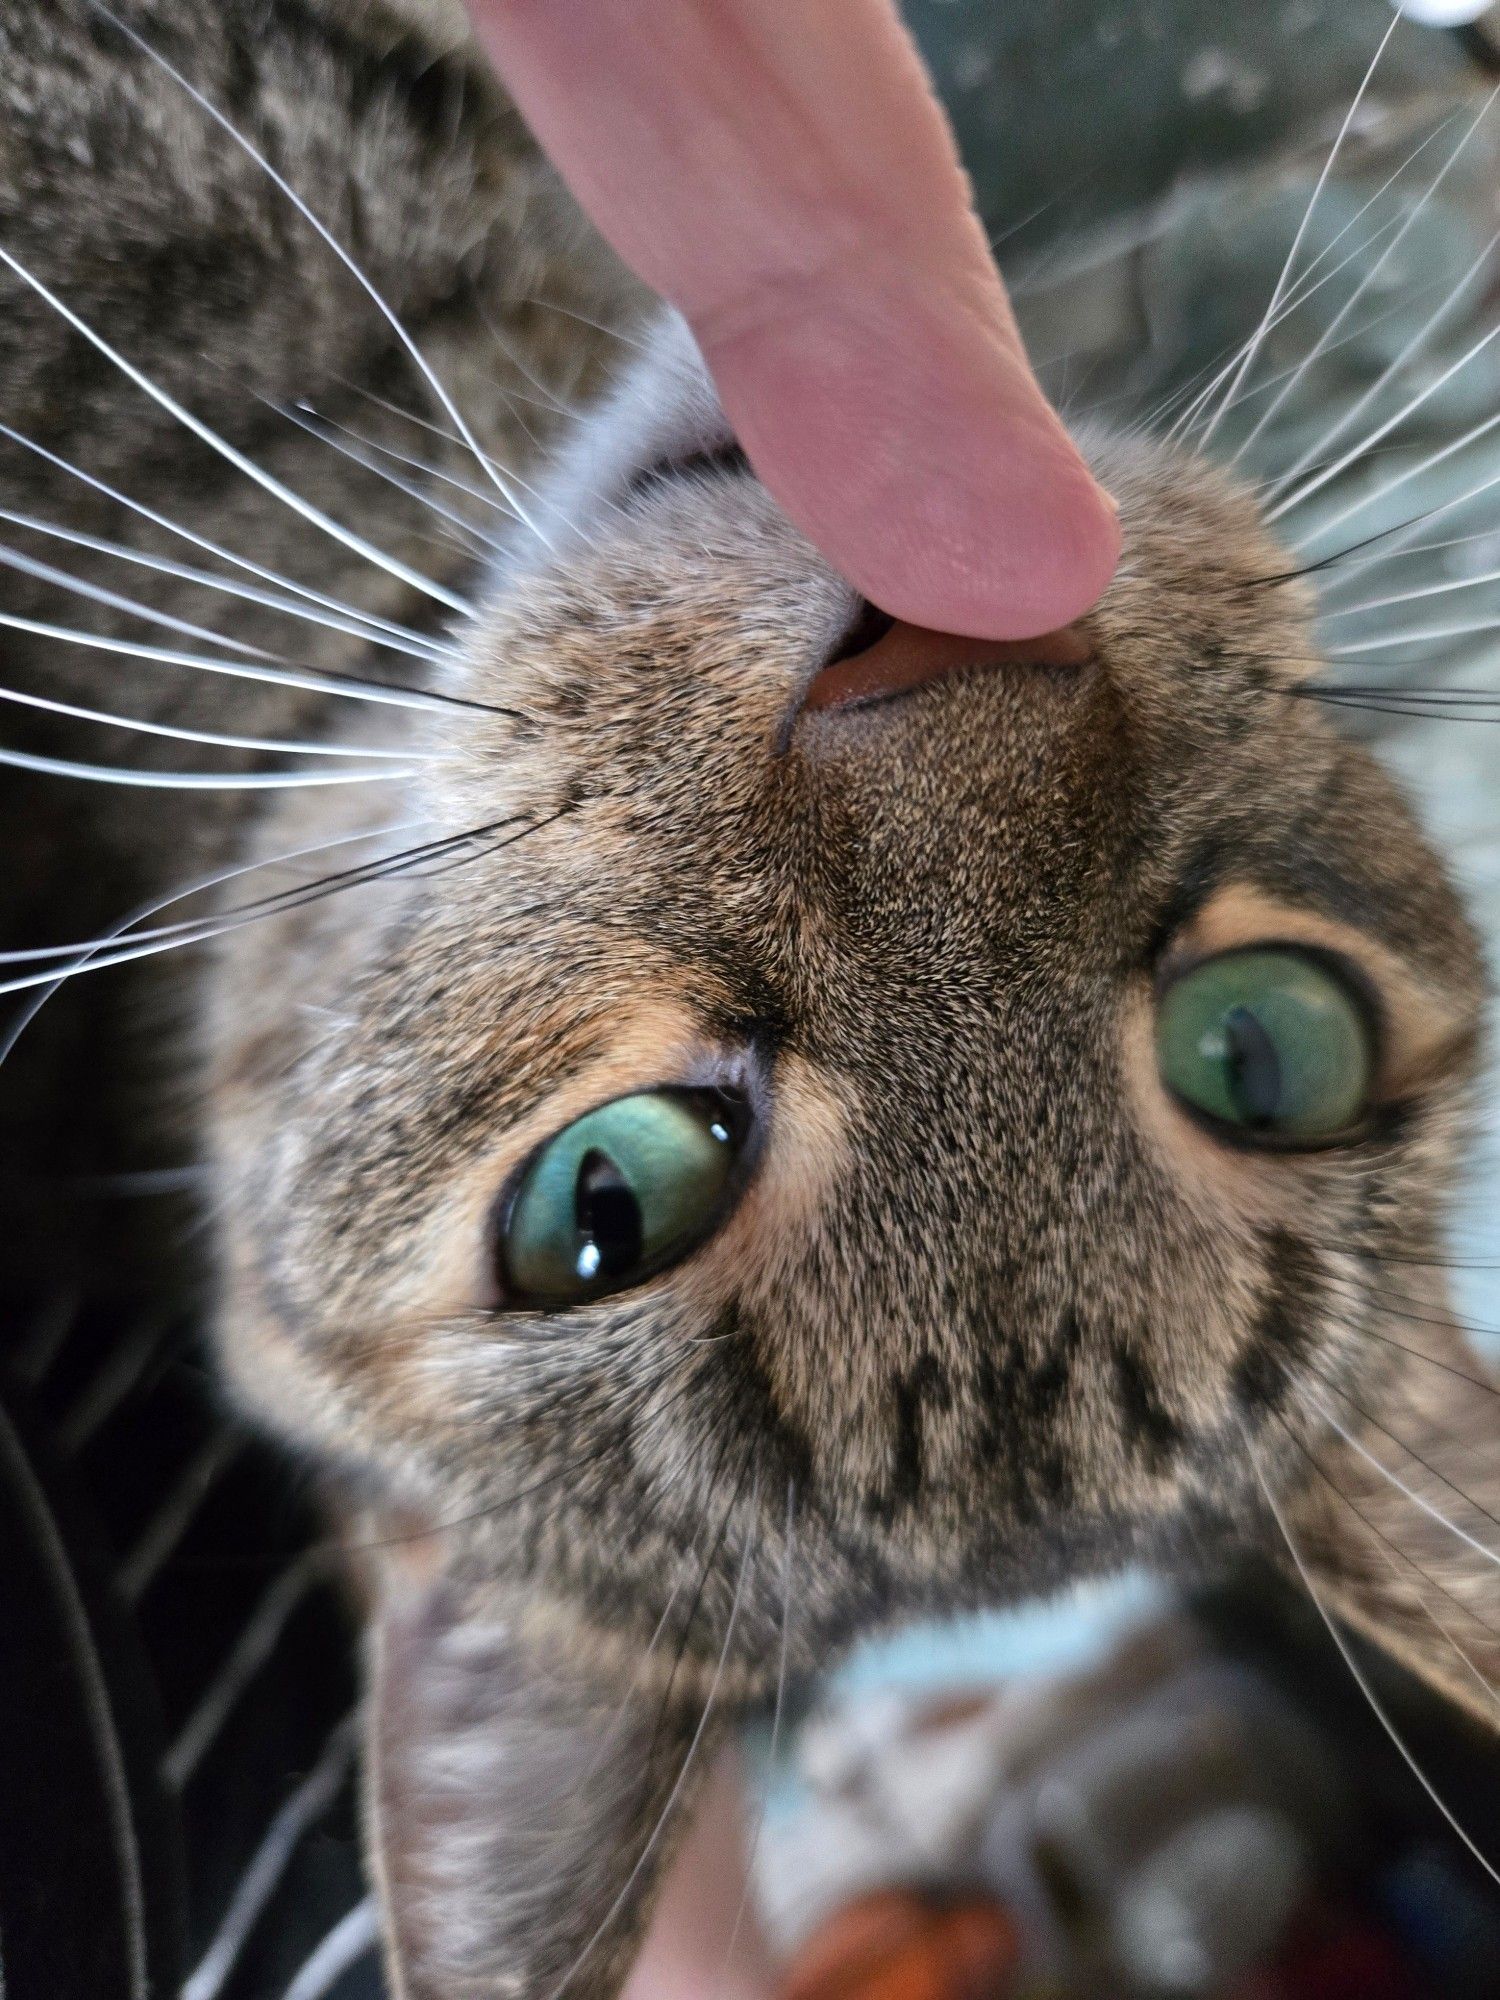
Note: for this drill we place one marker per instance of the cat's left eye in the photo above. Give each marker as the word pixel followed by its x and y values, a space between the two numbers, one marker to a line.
pixel 1274 1045
pixel 621 1193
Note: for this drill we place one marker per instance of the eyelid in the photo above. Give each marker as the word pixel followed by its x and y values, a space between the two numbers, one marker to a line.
pixel 1180 958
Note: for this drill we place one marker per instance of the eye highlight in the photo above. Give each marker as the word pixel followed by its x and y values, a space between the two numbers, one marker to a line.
pixel 1274 1044
pixel 621 1193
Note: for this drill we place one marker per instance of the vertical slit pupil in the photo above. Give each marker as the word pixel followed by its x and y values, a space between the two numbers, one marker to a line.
pixel 608 1218
pixel 1254 1068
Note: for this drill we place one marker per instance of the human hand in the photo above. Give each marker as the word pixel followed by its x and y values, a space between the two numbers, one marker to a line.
pixel 785 176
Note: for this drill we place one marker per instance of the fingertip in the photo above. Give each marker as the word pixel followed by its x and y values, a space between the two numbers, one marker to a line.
pixel 907 438
pixel 1009 559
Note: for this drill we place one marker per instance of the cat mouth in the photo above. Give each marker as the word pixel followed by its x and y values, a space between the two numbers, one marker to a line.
pixel 880 659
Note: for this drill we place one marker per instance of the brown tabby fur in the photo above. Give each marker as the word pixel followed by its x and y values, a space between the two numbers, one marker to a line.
pixel 992 1312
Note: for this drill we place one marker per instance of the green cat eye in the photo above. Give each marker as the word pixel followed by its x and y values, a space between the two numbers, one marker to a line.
pixel 620 1193
pixel 1273 1042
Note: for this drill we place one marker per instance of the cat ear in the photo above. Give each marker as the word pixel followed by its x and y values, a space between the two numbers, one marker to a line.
pixel 520 1809
pixel 1399 1524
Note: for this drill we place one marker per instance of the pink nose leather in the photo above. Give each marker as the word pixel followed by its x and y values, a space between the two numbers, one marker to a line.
pixel 908 656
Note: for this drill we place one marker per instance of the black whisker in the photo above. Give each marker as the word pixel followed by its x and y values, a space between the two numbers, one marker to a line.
pixel 126 946
pixel 1403 1312
pixel 1417 1458
pixel 1416 1353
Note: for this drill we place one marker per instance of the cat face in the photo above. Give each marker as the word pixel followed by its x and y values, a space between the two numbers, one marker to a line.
pixel 966 1117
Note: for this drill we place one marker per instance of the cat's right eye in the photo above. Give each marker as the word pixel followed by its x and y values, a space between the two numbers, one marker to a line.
pixel 620 1194
pixel 1273 1044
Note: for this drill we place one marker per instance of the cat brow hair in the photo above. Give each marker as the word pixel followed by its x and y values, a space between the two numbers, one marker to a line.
pixel 361 278
pixel 314 516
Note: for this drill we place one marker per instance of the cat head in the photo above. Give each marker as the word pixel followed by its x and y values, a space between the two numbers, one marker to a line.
pixel 827 1101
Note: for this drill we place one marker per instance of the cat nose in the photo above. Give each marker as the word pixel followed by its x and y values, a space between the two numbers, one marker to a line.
pixel 881 657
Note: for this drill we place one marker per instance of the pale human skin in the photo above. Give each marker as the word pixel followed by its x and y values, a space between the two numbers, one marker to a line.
pixel 786 177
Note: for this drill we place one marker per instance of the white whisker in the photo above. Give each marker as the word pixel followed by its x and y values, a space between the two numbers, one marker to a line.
pixel 365 458
pixel 571 312
pixel 284 187
pixel 1361 1677
pixel 665 1816
pixel 89 955
pixel 1360 332
pixel 1461 1650
pixel 270 600
pixel 1326 337
pixel 753 1850
pixel 197 781
pixel 181 937
pixel 1395 543
pixel 518 361
pixel 1254 344
pixel 437 430
pixel 195 931
pixel 1396 548
pixel 267 481
pixel 441 430
pixel 78 586
pixel 276 674
pixel 367 625
pixel 1417 636
pixel 1414 596
pixel 214 739
pixel 1307 287
pixel 1409 1492
pixel 322 426
pixel 1362 402
pixel 1417 471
